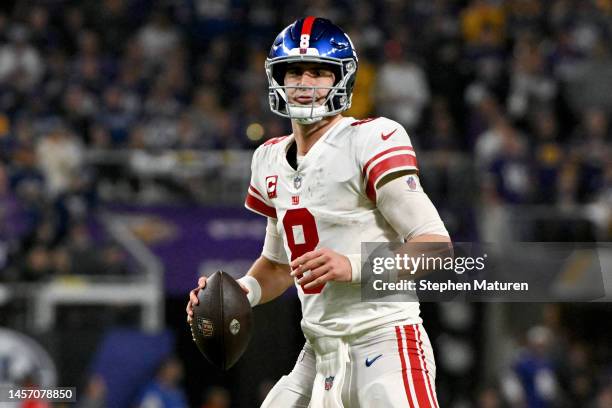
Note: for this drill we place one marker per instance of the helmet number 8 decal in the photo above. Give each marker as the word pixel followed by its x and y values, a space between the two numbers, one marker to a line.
pixel 304 40
pixel 302 236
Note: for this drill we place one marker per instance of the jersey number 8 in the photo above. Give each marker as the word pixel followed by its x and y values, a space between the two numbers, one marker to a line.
pixel 302 236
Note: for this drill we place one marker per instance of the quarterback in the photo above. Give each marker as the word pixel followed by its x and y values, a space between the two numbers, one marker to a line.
pixel 332 184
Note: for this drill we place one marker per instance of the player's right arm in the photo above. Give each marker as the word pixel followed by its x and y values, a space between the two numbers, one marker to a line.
pixel 273 278
pixel 271 272
pixel 269 276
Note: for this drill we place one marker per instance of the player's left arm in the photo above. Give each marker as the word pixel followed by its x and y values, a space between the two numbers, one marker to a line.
pixel 407 208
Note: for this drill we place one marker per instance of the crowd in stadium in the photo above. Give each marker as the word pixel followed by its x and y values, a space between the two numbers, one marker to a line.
pixel 521 86
pixel 552 365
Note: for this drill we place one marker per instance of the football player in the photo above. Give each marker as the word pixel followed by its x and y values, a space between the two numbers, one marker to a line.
pixel 332 184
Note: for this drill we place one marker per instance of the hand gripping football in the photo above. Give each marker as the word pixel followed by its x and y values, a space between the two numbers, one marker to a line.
pixel 222 321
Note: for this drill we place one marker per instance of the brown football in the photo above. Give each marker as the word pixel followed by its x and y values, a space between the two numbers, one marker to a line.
pixel 222 321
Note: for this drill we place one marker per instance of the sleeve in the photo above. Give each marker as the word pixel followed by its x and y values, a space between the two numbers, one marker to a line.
pixel 257 199
pixel 387 149
pixel 274 248
pixel 408 209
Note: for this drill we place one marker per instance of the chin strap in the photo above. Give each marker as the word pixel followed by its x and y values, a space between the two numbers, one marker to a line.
pixel 306 115
pixel 308 121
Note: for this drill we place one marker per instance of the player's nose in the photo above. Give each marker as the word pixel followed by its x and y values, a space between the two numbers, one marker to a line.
pixel 307 79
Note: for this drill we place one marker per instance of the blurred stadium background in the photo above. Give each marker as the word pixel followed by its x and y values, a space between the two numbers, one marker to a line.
pixel 126 131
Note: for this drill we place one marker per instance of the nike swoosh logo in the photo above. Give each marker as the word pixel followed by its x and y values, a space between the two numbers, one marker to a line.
pixel 388 135
pixel 370 362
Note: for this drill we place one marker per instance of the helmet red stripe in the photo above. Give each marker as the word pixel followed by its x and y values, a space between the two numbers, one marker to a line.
pixel 307 25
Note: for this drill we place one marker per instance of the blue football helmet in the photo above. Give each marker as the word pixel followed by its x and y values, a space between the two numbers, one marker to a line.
pixel 312 39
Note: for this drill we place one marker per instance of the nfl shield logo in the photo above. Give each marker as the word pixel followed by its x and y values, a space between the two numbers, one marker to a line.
pixel 297 182
pixel 329 382
pixel 411 183
pixel 206 327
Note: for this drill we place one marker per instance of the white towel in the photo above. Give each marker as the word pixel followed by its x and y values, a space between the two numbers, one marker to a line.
pixel 332 358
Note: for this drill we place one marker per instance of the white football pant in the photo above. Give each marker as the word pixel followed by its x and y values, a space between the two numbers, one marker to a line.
pixel 389 367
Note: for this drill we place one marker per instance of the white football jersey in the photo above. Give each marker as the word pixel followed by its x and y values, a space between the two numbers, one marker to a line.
pixel 330 201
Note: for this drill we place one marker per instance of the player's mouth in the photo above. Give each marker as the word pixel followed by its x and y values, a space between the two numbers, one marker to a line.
pixel 304 99
pixel 307 100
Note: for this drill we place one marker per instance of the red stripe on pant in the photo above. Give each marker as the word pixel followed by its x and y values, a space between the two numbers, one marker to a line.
pixel 400 349
pixel 432 391
pixel 418 371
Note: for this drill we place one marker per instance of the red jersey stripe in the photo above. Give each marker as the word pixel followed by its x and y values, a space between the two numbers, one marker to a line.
pixel 255 204
pixel 403 160
pixel 274 140
pixel 362 121
pixel 393 149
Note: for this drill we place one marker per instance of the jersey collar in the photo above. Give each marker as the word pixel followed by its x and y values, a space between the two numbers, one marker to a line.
pixel 315 151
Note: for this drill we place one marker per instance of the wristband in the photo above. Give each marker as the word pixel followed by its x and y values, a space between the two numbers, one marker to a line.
pixel 254 295
pixel 355 261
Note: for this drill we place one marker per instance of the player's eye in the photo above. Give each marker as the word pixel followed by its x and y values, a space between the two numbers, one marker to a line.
pixel 324 72
pixel 293 71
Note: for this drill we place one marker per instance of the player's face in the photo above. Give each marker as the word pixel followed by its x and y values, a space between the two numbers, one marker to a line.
pixel 301 76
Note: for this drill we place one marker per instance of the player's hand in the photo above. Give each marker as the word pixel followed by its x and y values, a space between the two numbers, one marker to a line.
pixel 324 265
pixel 193 296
